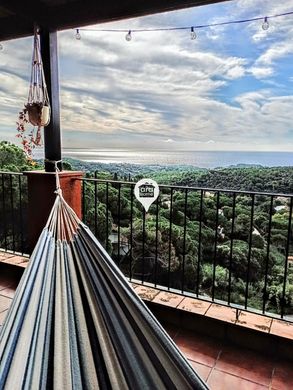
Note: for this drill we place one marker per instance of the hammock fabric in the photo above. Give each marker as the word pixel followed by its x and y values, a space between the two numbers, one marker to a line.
pixel 76 323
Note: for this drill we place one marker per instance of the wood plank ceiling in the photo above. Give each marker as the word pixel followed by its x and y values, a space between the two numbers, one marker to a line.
pixel 18 17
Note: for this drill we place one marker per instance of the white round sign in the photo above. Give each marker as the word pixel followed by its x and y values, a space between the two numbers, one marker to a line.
pixel 146 192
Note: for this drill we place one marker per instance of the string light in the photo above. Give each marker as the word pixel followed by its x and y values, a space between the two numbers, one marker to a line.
pixel 77 35
pixel 192 33
pixel 265 24
pixel 128 36
pixel 192 29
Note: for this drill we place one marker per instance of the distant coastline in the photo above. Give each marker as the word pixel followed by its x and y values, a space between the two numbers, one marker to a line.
pixel 200 159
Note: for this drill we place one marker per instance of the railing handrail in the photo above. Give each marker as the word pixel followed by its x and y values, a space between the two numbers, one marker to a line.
pixel 12 173
pixel 208 189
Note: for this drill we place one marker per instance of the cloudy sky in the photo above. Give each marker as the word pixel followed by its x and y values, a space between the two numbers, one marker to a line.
pixel 230 89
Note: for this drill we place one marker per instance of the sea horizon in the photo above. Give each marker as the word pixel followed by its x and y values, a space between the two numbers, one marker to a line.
pixel 200 159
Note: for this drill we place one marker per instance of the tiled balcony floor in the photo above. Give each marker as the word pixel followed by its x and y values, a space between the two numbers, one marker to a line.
pixel 225 367
pixel 222 366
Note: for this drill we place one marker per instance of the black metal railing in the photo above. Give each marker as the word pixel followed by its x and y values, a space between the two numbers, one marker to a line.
pixel 231 247
pixel 13 212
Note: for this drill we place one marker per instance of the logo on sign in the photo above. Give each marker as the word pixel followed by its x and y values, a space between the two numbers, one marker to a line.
pixel 146 192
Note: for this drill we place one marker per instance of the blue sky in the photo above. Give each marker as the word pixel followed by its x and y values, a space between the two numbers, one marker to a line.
pixel 230 89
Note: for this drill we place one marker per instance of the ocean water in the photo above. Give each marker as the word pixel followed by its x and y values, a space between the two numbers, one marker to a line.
pixel 206 159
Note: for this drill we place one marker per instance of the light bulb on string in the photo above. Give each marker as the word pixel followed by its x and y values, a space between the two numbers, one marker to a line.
pixel 128 36
pixel 265 26
pixel 192 34
pixel 77 35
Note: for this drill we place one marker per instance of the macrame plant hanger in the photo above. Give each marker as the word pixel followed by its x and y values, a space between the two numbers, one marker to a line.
pixel 38 105
pixel 37 109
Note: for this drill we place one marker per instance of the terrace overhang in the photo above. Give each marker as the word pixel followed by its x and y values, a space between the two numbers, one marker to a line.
pixel 17 18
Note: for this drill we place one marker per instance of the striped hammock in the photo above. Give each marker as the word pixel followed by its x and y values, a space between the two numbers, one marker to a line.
pixel 76 323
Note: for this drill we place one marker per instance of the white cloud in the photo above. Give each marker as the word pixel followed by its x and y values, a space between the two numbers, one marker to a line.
pixel 163 86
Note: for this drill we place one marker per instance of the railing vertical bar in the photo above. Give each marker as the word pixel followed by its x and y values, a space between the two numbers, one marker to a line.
pixel 107 216
pixel 157 238
pixel 215 245
pixel 231 248
pixel 20 215
pixel 170 239
pixel 199 242
pixel 267 256
pixel 96 206
pixel 249 250
pixel 4 212
pixel 119 219
pixel 143 245
pixel 184 242
pixel 286 259
pixel 83 200
pixel 131 231
pixel 12 212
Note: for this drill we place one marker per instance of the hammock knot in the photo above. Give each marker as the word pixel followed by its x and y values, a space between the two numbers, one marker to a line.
pixel 58 191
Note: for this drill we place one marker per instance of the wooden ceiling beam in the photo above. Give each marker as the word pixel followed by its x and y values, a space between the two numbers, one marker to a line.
pixel 80 13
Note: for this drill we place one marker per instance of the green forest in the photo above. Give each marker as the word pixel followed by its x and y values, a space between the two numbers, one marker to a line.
pixel 232 247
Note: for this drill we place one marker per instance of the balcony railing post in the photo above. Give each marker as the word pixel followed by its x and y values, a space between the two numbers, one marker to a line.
pixel 41 197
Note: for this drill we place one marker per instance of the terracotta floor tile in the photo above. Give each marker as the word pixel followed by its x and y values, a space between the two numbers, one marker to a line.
pixel 168 299
pixel 223 313
pixel 4 303
pixel 282 328
pixel 3 316
pixel 254 321
pixel 14 260
pixel 201 369
pixel 8 292
pixel 198 348
pixel 146 293
pixel 6 281
pixel 172 330
pixel 219 380
pixel 246 364
pixel 24 264
pixel 283 376
pixel 194 305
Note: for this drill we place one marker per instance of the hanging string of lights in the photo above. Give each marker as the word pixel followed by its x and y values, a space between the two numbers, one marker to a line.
pixel 265 26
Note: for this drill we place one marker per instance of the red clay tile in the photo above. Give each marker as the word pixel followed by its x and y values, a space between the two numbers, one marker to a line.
pixel 282 328
pixel 8 292
pixel 201 369
pixel 198 348
pixel 283 376
pixel 4 303
pixel 172 330
pixel 194 305
pixel 14 260
pixel 167 299
pixel 219 380
pixel 246 364
pixel 254 321
pixel 24 264
pixel 3 316
pixel 221 312
pixel 146 293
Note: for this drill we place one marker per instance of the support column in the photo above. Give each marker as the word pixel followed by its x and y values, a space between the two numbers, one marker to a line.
pixel 41 197
pixel 52 132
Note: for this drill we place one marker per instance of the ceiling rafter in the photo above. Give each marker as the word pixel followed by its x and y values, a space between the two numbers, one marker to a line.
pixel 71 14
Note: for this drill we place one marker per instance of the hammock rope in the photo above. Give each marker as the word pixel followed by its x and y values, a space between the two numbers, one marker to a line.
pixel 76 323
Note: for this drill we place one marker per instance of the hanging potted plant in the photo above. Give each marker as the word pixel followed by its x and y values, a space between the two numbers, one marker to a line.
pixel 37 109
pixel 38 105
